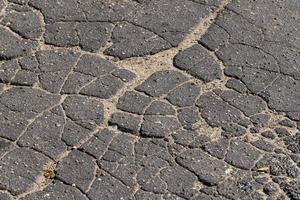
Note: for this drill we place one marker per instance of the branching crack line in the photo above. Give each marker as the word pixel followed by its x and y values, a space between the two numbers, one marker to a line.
pixel 145 28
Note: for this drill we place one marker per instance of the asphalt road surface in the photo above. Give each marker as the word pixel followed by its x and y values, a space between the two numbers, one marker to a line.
pixel 149 99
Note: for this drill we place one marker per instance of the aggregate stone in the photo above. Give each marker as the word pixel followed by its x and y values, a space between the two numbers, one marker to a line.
pixel 260 178
pixel 280 197
pixel 279 180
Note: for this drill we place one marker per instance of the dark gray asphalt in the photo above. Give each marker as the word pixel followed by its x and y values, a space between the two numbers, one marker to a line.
pixel 149 99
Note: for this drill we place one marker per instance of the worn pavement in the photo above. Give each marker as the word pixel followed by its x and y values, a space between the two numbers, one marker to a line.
pixel 149 99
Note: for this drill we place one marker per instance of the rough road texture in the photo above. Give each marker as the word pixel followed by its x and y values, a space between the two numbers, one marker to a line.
pixel 149 99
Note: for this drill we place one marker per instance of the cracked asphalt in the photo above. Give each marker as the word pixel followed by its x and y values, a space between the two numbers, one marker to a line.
pixel 149 99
